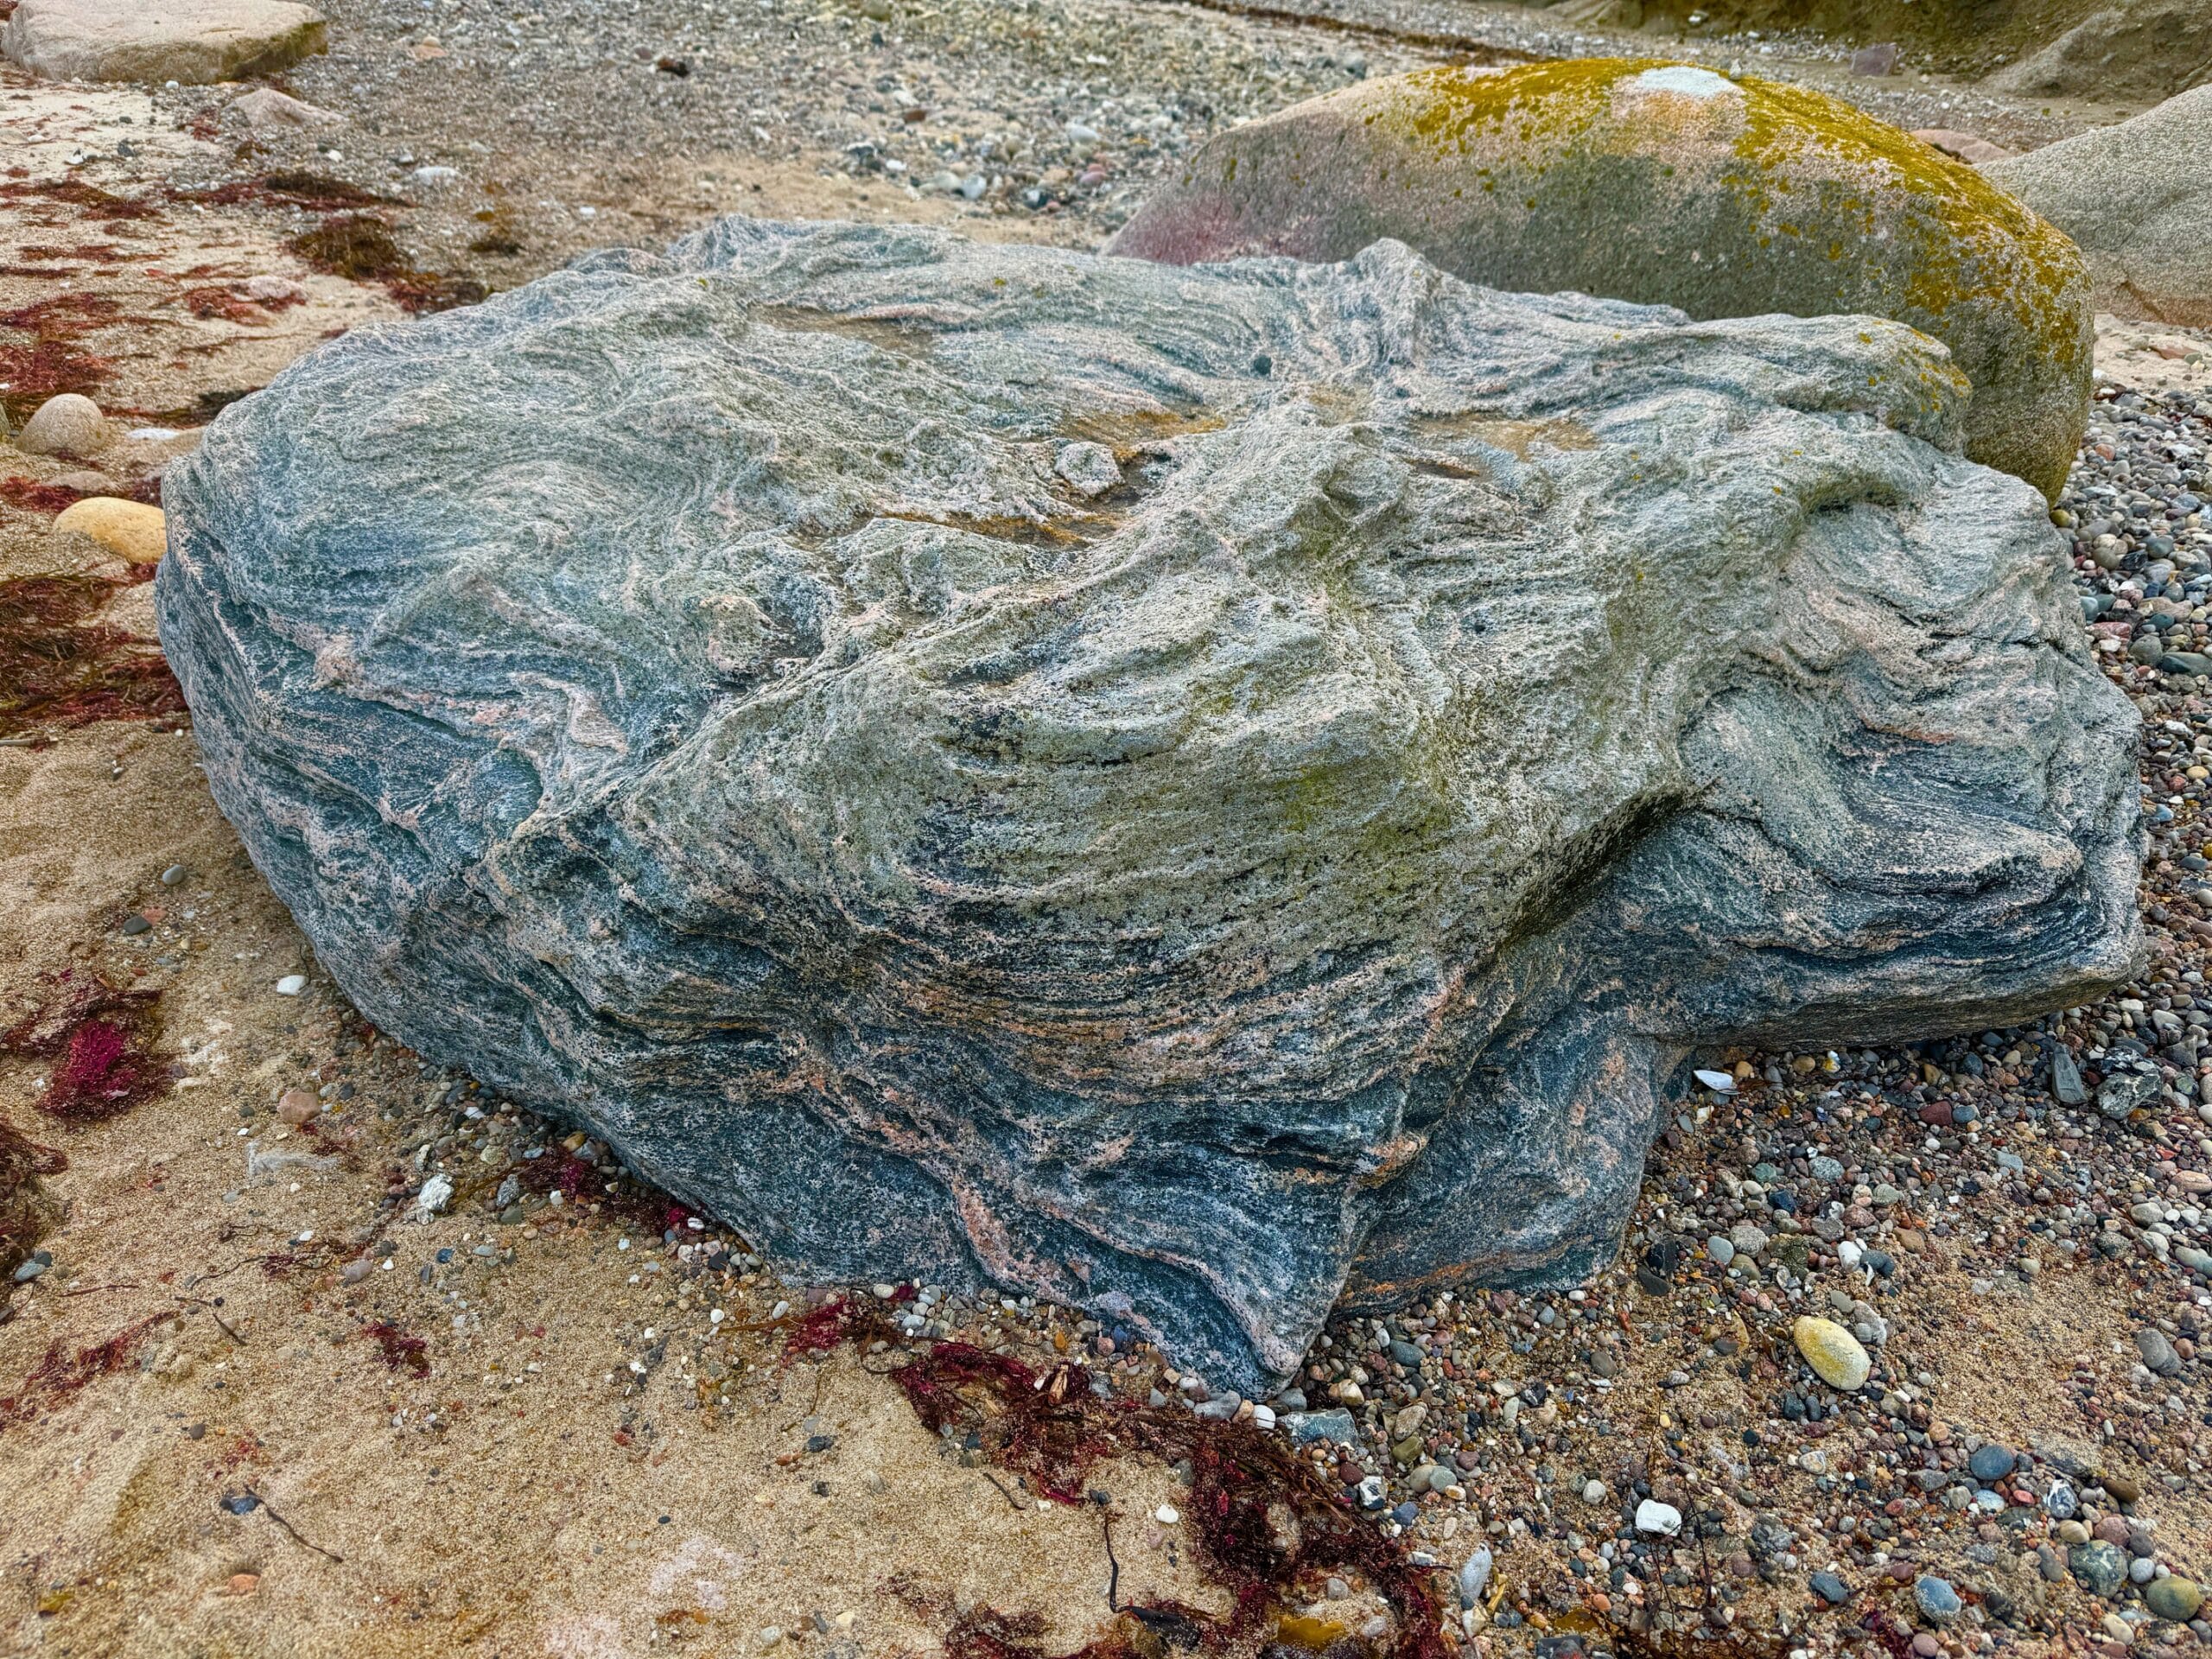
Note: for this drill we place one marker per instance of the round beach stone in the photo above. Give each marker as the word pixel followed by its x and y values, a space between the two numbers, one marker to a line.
pixel 1990 1462
pixel 1937 1600
pixel 1669 183
pixel 1832 1351
pixel 2175 1598
pixel 138 532
pixel 2100 1567
pixel 69 424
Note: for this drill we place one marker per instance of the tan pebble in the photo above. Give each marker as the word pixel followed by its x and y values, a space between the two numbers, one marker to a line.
pixel 244 1584
pixel 138 532
pixel 70 424
pixel 1833 1351
pixel 296 1106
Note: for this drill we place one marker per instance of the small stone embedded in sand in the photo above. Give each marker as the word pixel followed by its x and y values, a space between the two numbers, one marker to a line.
pixel 267 107
pixel 70 424
pixel 436 1194
pixel 267 289
pixel 296 1106
pixel 138 532
pixel 1652 1515
pixel 1963 146
pixel 291 985
pixel 1833 1351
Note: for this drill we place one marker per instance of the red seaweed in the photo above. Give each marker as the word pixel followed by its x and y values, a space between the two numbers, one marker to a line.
pixel 51 364
pixel 402 1350
pixel 61 667
pixel 102 1041
pixel 359 246
pixel 1266 1526
pixel 26 1213
pixel 59 1373
pixel 35 497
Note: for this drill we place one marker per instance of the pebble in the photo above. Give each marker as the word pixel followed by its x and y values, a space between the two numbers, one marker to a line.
pixel 1474 1576
pixel 1831 1589
pixel 2066 1078
pixel 2173 1599
pixel 1937 1600
pixel 69 424
pixel 1593 1491
pixel 1720 1249
pixel 2097 1566
pixel 1832 1352
pixel 1652 1515
pixel 1990 1462
pixel 436 1194
pixel 2157 1353
pixel 291 985
pixel 139 533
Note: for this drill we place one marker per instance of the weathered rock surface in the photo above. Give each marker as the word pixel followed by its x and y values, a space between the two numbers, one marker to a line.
pixel 2137 199
pixel 195 42
pixel 1667 184
pixel 1188 791
pixel 2137 49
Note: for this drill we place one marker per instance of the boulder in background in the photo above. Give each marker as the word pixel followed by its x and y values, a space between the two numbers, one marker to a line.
pixel 1665 184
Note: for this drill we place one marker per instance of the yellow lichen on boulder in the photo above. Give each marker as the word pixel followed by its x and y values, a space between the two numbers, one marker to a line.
pixel 1666 183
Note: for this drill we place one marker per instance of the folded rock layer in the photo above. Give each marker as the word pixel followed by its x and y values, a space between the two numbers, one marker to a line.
pixel 1188 791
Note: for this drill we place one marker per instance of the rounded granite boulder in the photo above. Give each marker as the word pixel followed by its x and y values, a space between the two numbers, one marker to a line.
pixel 2137 197
pixel 1664 184
pixel 1191 793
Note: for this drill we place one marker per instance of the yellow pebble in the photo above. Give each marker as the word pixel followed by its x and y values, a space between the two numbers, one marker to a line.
pixel 138 532
pixel 1833 1351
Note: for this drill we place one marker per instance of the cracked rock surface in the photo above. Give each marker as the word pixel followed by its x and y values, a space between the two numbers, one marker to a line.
pixel 1195 793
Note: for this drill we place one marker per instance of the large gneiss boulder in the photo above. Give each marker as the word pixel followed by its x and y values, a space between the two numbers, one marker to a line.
pixel 1668 184
pixel 1187 792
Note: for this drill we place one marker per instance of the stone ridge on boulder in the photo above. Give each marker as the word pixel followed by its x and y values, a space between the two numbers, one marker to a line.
pixel 1668 184
pixel 1190 792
